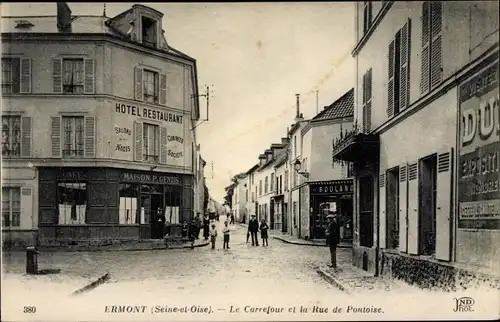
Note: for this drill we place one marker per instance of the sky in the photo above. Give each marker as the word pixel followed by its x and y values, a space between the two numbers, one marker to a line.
pixel 255 57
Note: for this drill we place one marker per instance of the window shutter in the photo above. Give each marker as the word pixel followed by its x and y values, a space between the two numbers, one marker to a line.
pixel 26 208
pixel 424 80
pixel 403 208
pixel 413 211
pixel 138 129
pixel 443 202
pixel 56 136
pixel 382 192
pixel 390 83
pixel 26 136
pixel 139 87
pixel 365 118
pixel 89 68
pixel 368 100
pixel 163 89
pixel 25 75
pixel 57 75
pixel 90 136
pixel 436 44
pixel 163 145
pixel 404 88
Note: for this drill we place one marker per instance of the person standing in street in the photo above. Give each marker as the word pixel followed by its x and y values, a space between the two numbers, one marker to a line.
pixel 232 219
pixel 263 232
pixel 199 225
pixel 193 231
pixel 206 223
pixel 226 231
pixel 333 238
pixel 159 224
pixel 253 227
pixel 213 235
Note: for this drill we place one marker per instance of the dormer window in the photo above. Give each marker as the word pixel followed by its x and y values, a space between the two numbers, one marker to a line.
pixel 149 34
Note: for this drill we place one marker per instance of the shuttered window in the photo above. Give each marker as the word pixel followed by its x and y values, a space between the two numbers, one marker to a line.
pixel 11 207
pixel 432 60
pixel 367 101
pixel 367 15
pixel 150 86
pixel 16 75
pixel 73 136
pixel 398 89
pixel 73 75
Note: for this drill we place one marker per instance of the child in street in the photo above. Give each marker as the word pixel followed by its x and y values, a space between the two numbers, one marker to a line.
pixel 213 235
pixel 263 232
pixel 226 232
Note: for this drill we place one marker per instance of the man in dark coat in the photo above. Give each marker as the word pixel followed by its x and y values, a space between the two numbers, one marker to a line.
pixel 253 228
pixel 206 223
pixel 333 237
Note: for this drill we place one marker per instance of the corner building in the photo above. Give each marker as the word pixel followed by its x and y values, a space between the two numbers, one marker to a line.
pixel 425 146
pixel 98 117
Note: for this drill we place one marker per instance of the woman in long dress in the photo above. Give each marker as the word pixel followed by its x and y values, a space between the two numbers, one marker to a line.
pixel 206 223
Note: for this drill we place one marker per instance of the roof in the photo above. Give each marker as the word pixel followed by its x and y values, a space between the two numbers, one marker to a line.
pixel 281 158
pixel 252 168
pixel 341 108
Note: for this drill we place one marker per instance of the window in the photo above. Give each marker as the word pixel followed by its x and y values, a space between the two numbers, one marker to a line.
pixel 72 201
pixel 272 182
pixel 73 75
pixel 399 57
pixel 253 196
pixel 432 60
pixel 367 101
pixel 11 207
pixel 11 135
pixel 151 144
pixel 286 180
pixel 392 207
pixel 128 204
pixel 266 185
pixel 367 15
pixel 260 187
pixel 246 195
pixel 73 142
pixel 281 184
pixel 295 146
pixel 150 86
pixel 11 72
pixel 350 169
pixel 149 32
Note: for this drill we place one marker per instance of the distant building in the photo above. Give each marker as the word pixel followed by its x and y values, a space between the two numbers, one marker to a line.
pixel 281 192
pixel 97 122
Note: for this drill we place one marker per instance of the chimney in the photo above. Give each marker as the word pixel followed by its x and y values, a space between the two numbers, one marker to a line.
pixel 262 159
pixel 63 17
pixel 298 116
pixel 285 140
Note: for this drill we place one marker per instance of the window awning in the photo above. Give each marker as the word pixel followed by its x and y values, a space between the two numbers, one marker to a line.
pixel 356 147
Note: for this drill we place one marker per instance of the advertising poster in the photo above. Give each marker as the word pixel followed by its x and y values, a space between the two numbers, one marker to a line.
pixel 479 148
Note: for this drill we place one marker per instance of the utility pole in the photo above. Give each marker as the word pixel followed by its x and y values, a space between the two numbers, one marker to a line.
pixel 212 169
pixel 207 97
pixel 317 104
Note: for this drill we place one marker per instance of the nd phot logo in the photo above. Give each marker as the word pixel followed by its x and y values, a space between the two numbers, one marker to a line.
pixel 464 304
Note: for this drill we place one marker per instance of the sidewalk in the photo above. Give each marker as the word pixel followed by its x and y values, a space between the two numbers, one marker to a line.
pixel 297 241
pixel 139 245
pixel 354 280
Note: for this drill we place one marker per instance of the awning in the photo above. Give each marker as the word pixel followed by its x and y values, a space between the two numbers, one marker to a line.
pixel 356 147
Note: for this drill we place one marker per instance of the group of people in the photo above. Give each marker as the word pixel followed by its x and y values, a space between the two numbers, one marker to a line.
pixel 253 229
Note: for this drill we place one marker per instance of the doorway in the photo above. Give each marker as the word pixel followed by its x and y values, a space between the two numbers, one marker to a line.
pixel 366 211
pixel 427 205
pixel 271 214
pixel 392 197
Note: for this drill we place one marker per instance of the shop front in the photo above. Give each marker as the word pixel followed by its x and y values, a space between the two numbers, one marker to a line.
pixel 77 204
pixel 331 196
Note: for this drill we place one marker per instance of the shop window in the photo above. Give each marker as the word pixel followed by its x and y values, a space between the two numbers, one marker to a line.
pixel 128 204
pixel 73 144
pixel 11 207
pixel 73 75
pixel 150 86
pixel 72 202
pixel 151 143
pixel 173 197
pixel 11 135
pixel 149 32
pixel 10 75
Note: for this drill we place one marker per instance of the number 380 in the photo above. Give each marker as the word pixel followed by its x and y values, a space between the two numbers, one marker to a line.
pixel 29 309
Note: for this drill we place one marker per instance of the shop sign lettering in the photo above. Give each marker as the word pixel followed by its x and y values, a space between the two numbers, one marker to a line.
pixel 150 178
pixel 174 138
pixel 149 113
pixel 334 187
pixel 174 155
pixel 73 175
pixel 479 149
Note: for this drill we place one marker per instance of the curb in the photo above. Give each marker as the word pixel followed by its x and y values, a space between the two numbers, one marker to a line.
pixel 101 280
pixel 332 280
pixel 162 247
pixel 308 244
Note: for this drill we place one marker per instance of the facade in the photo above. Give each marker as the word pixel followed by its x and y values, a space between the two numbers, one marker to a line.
pixel 426 187
pixel 96 127
pixel 329 185
pixel 199 193
pixel 281 190
pixel 251 205
pixel 240 199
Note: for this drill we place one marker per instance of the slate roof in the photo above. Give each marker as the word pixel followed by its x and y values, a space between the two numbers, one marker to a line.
pixel 281 158
pixel 341 108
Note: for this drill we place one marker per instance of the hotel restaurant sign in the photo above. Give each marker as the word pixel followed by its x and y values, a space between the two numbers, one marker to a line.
pixel 479 149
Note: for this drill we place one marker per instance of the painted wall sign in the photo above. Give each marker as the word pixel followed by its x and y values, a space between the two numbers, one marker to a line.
pixel 123 141
pixel 149 113
pixel 479 156
pixel 149 178
pixel 333 187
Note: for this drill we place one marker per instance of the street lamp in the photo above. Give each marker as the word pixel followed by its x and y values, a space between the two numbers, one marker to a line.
pixel 297 165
